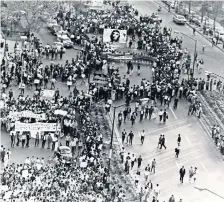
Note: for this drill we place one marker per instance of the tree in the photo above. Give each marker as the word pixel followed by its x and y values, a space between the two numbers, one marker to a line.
pixel 216 10
pixel 204 9
pixel 32 15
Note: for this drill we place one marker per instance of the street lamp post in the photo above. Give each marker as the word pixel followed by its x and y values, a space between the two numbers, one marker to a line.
pixel 195 49
pixel 112 133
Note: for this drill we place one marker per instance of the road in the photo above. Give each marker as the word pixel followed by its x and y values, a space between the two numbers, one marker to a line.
pixel 196 148
pixel 213 57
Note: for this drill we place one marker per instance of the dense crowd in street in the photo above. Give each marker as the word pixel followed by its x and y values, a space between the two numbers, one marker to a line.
pixel 86 177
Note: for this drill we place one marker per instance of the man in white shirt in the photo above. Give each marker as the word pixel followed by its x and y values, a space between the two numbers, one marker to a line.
pixel 157 191
pixel 142 136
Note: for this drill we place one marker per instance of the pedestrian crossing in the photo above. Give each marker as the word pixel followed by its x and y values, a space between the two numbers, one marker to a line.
pixel 194 151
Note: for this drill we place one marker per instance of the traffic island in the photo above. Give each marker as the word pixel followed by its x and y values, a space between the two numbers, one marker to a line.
pixel 118 178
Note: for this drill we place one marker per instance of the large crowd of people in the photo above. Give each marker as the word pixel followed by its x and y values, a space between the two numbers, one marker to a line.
pixel 87 179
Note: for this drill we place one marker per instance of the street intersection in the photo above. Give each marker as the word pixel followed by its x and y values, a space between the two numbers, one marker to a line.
pixel 197 148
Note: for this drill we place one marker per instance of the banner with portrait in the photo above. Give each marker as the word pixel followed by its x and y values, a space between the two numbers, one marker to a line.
pixel 114 36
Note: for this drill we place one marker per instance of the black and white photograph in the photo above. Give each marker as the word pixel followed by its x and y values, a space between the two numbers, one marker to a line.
pixel 112 101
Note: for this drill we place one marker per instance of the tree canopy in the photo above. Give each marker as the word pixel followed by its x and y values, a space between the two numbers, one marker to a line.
pixel 32 15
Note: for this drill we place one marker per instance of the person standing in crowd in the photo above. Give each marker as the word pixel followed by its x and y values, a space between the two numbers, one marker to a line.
pixel 23 139
pixel 142 134
pixel 19 137
pixel 67 140
pixel 146 174
pixel 28 139
pixel 182 174
pixel 49 141
pixel 37 139
pixel 43 138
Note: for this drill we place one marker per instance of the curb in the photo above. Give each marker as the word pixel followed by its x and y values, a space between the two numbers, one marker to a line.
pixel 188 24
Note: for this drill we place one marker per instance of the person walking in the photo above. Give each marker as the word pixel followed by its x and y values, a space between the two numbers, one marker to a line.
pixel 171 199
pixel 139 161
pixel 191 173
pixel 182 174
pixel 157 191
pixel 165 116
pixel 160 140
pixel 195 174
pixel 142 134
pixel 194 30
pixel 133 159
pixel 133 117
pixel 162 144
pixel 160 115
pixel 131 136
pixel 146 174
pixel 178 140
pixel 13 138
pixel 153 167
pixel 124 133
pixel 177 151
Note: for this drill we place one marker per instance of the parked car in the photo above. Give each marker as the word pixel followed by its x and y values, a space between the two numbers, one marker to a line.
pixel 196 19
pixel 58 45
pixel 64 154
pixel 55 29
pixel 219 33
pixel 179 19
pixel 62 34
pixel 51 23
pixel 67 43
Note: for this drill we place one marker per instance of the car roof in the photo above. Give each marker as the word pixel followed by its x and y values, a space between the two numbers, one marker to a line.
pixel 64 147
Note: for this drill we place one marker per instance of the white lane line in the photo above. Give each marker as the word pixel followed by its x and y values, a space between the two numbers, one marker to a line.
pixel 203 125
pixel 203 166
pixel 173 112
pixel 177 165
pixel 187 140
pixel 153 131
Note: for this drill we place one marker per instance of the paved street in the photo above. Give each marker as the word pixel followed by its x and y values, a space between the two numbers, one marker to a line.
pixel 197 149
pixel 213 57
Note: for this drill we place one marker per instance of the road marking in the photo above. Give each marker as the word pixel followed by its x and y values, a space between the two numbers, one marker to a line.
pixel 177 165
pixel 153 131
pixel 203 125
pixel 173 112
pixel 203 166
pixel 187 140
